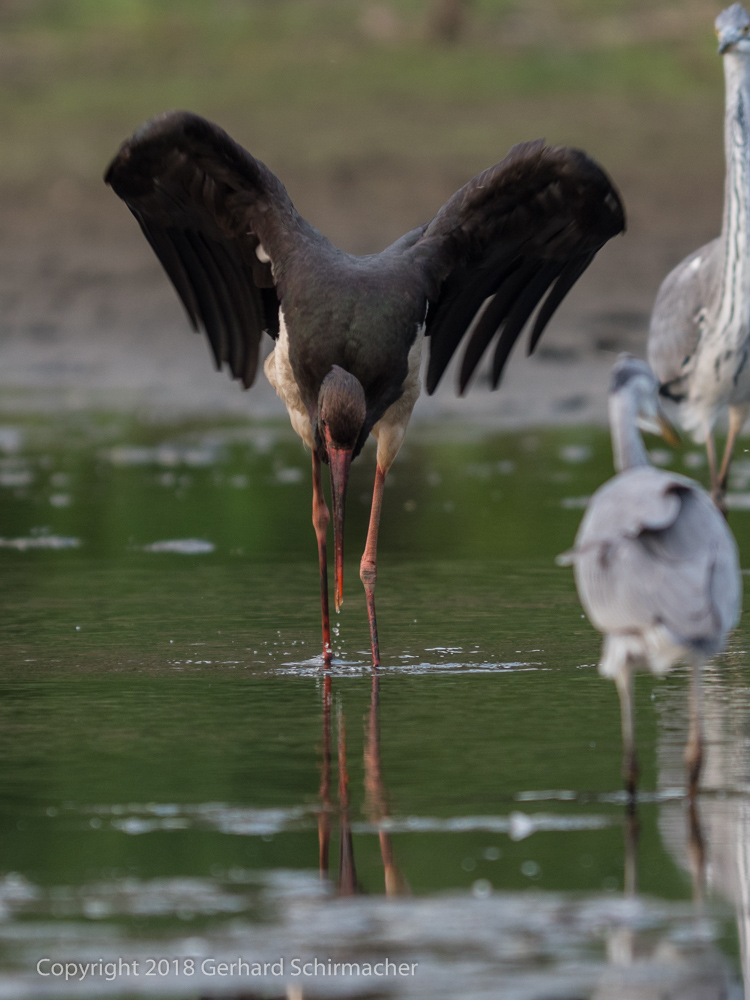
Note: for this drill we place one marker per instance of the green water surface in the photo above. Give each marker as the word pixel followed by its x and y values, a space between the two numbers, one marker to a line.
pixel 165 721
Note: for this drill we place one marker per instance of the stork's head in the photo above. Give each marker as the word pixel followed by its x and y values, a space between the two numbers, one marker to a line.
pixel 633 379
pixel 342 411
pixel 733 30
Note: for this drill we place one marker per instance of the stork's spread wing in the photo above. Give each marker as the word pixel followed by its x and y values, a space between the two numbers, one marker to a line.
pixel 524 229
pixel 653 549
pixel 218 220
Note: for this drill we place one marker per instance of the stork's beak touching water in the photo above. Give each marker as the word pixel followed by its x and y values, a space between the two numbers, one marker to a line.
pixel 341 415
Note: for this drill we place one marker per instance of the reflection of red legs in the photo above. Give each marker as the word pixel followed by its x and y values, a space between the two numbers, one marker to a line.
pixel 368 568
pixel 376 806
pixel 347 872
pixel 374 791
pixel 321 517
pixel 324 816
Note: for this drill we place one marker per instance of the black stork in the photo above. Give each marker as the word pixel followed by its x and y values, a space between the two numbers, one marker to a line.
pixel 348 329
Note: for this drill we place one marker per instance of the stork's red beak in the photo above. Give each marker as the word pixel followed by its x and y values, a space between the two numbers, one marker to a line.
pixel 340 460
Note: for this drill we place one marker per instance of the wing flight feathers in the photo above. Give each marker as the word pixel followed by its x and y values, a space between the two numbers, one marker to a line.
pixel 515 237
pixel 206 206
pixel 538 217
pixel 569 274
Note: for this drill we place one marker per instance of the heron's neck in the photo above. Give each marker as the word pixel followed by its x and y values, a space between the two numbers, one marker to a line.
pixel 736 228
pixel 627 444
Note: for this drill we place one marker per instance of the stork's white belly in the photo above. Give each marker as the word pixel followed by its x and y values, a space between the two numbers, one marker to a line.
pixel 279 373
pixel 390 430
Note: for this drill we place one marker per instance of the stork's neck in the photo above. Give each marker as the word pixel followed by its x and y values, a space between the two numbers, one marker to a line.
pixel 735 303
pixel 627 444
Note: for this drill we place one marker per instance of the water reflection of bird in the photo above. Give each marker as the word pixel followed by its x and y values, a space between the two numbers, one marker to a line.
pixel 376 800
pixel 699 343
pixel 643 962
pixel 656 566
pixel 348 329
pixel 347 884
pixel 715 849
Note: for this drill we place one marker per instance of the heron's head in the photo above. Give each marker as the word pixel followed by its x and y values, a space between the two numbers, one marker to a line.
pixel 342 411
pixel 733 30
pixel 634 381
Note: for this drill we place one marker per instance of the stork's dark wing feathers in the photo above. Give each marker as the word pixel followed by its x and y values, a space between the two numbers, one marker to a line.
pixel 164 249
pixel 489 319
pixel 513 319
pixel 228 236
pixel 524 229
pixel 568 275
pixel 205 206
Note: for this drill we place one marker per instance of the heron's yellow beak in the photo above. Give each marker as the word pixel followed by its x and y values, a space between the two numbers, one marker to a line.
pixel 667 431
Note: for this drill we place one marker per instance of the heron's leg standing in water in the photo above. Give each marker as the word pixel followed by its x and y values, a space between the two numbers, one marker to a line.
pixel 368 568
pixel 694 748
pixel 624 682
pixel 712 469
pixel 321 517
pixel 737 418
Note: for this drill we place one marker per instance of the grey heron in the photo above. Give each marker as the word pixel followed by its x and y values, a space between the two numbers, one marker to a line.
pixel 656 565
pixel 699 341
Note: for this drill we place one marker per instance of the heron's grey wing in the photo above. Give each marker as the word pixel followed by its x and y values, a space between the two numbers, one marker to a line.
pixel 220 223
pixel 652 550
pixel 516 235
pixel 675 321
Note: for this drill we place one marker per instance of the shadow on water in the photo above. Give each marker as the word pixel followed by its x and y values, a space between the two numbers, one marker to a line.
pixel 181 786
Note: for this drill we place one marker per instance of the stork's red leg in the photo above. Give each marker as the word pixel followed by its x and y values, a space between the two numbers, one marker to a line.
pixel 321 517
pixel 368 568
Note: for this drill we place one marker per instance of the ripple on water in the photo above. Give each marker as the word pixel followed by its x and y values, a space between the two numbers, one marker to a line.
pixel 314 667
pixel 169 456
pixel 40 542
pixel 182 546
pixel 737 501
pixel 137 819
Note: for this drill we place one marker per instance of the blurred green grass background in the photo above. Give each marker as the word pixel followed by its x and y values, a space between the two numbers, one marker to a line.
pixel 307 82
